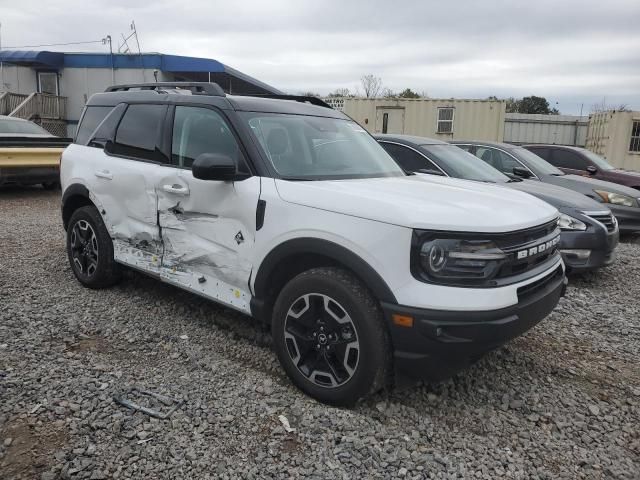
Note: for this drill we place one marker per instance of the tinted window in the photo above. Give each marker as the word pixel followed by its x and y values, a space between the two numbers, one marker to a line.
pixel 408 159
pixel 568 159
pixel 542 153
pixel 201 130
pixel 106 129
pixel 497 159
pixel 137 134
pixel 600 162
pixel 90 120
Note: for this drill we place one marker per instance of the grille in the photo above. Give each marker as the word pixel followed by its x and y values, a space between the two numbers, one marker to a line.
pixel 607 220
pixel 531 289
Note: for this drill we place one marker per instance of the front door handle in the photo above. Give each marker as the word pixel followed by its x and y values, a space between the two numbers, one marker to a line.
pixel 176 189
pixel 106 174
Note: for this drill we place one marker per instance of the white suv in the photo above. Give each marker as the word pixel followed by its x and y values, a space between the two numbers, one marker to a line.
pixel 287 210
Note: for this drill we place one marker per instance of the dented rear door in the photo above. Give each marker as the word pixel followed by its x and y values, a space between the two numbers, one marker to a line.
pixel 207 227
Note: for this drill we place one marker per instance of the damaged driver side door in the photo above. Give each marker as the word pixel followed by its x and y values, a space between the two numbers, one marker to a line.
pixel 207 226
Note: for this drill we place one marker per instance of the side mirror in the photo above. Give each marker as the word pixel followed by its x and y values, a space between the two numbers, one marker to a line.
pixel 591 170
pixel 215 166
pixel 522 172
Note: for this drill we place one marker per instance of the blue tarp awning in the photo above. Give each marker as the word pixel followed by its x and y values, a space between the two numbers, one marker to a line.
pixel 195 68
pixel 31 57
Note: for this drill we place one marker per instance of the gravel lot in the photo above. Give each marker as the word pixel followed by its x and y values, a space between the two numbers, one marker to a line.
pixel 561 402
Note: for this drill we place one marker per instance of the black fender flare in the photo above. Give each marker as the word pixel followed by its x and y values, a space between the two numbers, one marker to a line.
pixel 326 248
pixel 73 191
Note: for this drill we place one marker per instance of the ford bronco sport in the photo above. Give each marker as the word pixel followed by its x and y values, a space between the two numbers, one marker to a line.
pixel 286 210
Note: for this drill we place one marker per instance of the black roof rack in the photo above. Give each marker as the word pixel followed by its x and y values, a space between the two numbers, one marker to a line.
pixel 196 88
pixel 297 98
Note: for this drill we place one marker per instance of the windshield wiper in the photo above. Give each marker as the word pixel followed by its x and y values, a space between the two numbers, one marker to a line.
pixel 297 179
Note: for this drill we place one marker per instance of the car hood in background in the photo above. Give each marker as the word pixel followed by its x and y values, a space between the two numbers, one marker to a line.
pixel 419 202
pixel 557 196
pixel 588 185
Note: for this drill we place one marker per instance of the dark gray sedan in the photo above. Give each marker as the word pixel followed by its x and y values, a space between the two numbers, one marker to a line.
pixel 589 232
pixel 512 160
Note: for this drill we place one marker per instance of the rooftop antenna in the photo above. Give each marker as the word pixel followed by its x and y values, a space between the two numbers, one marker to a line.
pixel 125 48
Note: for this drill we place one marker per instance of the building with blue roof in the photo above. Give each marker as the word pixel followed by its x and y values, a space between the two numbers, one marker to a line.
pixel 76 76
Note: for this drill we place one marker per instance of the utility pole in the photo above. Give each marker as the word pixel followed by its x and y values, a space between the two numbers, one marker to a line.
pixel 106 40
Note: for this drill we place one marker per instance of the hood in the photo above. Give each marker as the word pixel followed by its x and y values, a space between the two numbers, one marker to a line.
pixel 587 185
pixel 626 173
pixel 418 202
pixel 557 196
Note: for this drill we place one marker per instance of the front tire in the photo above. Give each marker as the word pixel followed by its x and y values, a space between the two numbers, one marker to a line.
pixel 329 335
pixel 90 249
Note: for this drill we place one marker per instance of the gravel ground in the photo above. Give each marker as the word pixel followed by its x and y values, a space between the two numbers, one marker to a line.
pixel 561 402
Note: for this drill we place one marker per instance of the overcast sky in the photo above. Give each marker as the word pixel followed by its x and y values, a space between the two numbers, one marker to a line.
pixel 570 52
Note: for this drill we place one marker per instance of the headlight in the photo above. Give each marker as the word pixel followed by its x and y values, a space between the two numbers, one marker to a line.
pixel 567 222
pixel 460 261
pixel 616 198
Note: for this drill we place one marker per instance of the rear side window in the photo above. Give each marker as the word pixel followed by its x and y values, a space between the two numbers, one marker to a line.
pixel 138 132
pixel 90 120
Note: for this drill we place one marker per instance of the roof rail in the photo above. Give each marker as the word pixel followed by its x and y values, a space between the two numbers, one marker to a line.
pixel 196 88
pixel 298 98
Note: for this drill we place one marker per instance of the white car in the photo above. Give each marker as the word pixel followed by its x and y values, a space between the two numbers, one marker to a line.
pixel 287 210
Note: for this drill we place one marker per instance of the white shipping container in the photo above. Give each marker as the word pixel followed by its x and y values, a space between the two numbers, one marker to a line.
pixel 522 128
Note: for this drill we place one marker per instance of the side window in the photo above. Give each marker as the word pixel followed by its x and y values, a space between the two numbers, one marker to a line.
pixel 568 159
pixel 199 130
pixel 90 120
pixel 543 153
pixel 138 133
pixel 106 130
pixel 466 148
pixel 497 159
pixel 408 159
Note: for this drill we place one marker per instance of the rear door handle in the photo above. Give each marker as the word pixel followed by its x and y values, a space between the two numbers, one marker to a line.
pixel 106 174
pixel 176 189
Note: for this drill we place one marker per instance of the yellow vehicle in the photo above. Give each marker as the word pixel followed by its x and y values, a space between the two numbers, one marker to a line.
pixel 29 154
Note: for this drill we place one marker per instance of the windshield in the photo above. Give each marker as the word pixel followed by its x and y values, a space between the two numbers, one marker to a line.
pixel 21 127
pixel 319 148
pixel 597 159
pixel 535 163
pixel 460 164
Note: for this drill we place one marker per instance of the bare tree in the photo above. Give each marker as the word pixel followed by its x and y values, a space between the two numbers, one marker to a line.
pixel 371 85
pixel 341 92
pixel 604 107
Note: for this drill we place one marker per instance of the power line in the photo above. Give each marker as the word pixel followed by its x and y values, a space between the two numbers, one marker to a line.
pixel 55 44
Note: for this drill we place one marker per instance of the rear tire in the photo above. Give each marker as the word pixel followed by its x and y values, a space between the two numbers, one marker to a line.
pixel 329 335
pixel 90 249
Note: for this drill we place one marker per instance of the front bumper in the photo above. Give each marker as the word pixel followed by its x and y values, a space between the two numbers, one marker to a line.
pixel 442 342
pixel 628 217
pixel 596 239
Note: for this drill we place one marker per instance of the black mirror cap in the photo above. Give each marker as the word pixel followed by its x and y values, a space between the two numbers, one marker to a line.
pixel 592 170
pixel 522 172
pixel 216 166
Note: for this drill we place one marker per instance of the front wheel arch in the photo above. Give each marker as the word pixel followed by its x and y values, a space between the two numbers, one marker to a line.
pixel 292 257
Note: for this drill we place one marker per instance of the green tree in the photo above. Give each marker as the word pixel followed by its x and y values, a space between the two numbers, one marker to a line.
pixel 532 104
pixel 408 93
